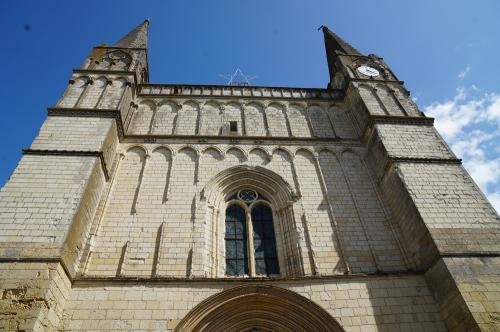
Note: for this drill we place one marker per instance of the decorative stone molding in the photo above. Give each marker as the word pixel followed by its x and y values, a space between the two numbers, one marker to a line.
pixel 221 91
pixel 242 309
pixel 98 154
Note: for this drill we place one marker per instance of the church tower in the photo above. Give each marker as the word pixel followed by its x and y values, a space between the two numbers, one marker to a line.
pixel 243 208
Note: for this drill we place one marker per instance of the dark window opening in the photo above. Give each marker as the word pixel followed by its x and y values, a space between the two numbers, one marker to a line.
pixel 236 242
pixel 233 126
pixel 264 241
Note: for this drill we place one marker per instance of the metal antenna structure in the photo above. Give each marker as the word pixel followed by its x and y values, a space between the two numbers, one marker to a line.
pixel 238 78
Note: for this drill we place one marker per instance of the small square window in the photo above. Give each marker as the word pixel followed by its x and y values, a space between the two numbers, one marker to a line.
pixel 233 126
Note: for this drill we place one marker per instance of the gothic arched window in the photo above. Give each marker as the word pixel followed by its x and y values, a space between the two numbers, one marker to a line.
pixel 250 239
pixel 236 241
pixel 264 241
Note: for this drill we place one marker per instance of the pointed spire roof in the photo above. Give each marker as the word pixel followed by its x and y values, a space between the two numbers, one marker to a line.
pixel 333 42
pixel 137 38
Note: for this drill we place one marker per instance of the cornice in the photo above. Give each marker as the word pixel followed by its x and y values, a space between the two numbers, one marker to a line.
pixel 426 160
pixel 228 91
pixel 236 139
pixel 395 119
pixel 89 113
pixel 73 153
pixel 108 72
pixel 102 71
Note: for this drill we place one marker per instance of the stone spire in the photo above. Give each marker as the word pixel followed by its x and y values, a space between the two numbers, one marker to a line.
pixel 137 38
pixel 334 43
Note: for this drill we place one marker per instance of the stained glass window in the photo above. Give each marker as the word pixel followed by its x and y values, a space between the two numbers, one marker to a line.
pixel 264 241
pixel 236 241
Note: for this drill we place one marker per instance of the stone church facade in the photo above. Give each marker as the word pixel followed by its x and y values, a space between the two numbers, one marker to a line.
pixel 145 206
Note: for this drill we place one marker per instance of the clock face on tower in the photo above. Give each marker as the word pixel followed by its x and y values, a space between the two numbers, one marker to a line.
pixel 368 71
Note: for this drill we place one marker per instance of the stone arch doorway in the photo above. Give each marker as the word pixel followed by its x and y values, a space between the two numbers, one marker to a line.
pixel 258 308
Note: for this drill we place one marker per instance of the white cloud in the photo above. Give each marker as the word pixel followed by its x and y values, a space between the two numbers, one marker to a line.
pixel 494 198
pixel 471 126
pixel 493 110
pixel 453 115
pixel 463 73
pixel 484 172
pixel 470 147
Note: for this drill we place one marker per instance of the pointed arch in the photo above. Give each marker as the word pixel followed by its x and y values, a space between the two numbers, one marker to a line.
pixel 255 119
pixel 324 149
pixel 187 118
pixel 114 94
pixel 263 307
pixel 213 149
pixel 74 91
pixel 387 98
pixel 143 117
pixel 356 241
pixel 210 119
pixel 409 106
pixel 344 127
pixel 282 163
pixel 371 100
pixel 323 230
pixel 233 111
pixel 277 120
pixel 239 155
pixel 165 116
pixel 157 176
pixel 192 102
pixel 284 150
pixel 281 197
pixel 386 251
pixel 163 147
pixel 304 151
pixel 211 161
pixel 122 208
pixel 139 149
pixel 261 149
pixel 93 93
pixel 299 124
pixel 259 156
pixel 272 185
pixel 188 149
pixel 321 124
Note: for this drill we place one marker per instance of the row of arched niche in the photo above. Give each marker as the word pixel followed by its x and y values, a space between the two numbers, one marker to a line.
pixel 382 99
pixel 94 92
pixel 366 238
pixel 212 118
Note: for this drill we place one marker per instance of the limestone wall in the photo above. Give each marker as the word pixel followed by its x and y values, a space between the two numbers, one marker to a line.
pixel 39 202
pixel 94 91
pixel 152 219
pixel 32 296
pixel 358 304
pixel 211 117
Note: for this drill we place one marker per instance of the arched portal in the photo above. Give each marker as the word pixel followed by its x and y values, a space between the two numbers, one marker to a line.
pixel 257 308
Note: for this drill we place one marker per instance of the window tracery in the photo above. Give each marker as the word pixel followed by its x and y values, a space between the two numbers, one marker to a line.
pixel 250 239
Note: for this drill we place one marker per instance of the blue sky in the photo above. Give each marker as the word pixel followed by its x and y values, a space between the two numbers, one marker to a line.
pixel 446 52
